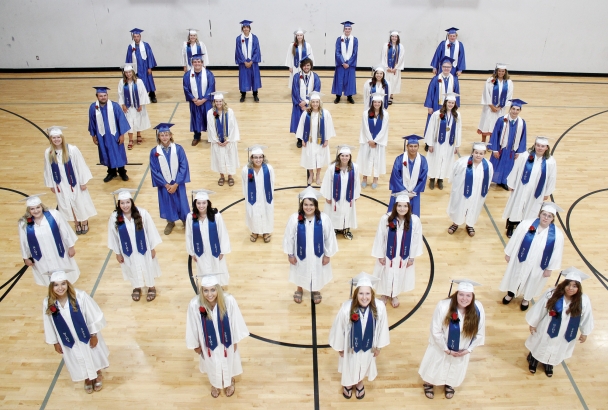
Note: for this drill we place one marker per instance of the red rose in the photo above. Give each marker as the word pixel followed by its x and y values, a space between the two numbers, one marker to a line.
pixel 506 120
pixel 242 40
pixel 215 114
pixel 389 44
pixel 372 115
pixel 337 169
pixel 469 162
pixel 194 215
pixel 441 115
pixel 53 309
pixel 295 44
pixel 354 317
pixel 97 107
pixel 192 75
pixel 493 81
pixel 132 49
pixel 532 229
pixel 300 218
pixel 391 225
pixel 156 154
pixel 531 158
pixel 439 80
pixel 202 310
pixel 450 45
pixel 552 313
pixel 30 220
pixel 454 316
pixel 301 76
pixel 405 164
pixel 120 218
pixel 342 40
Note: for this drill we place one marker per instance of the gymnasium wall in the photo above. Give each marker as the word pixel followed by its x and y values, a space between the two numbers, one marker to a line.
pixel 530 35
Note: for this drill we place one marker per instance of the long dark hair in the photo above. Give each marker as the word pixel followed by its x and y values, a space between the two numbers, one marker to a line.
pixel 576 305
pixel 408 216
pixel 372 111
pixel 471 320
pixel 139 225
pixel 391 41
pixel 295 44
pixel 354 306
pixel 315 202
pixel 374 80
pixel 337 161
pixel 444 109
pixel 210 211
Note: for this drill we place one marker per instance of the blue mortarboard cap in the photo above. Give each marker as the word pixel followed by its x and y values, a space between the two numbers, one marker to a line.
pixel 197 56
pixel 452 30
pixel 413 139
pixel 136 31
pixel 447 59
pixel 347 23
pixel 101 89
pixel 163 126
pixel 517 102
pixel 246 23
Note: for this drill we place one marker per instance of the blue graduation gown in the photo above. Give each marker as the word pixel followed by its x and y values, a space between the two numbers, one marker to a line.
pixel 198 114
pixel 432 95
pixel 249 78
pixel 143 65
pixel 440 53
pixel 296 112
pixel 396 182
pixel 504 164
pixel 111 153
pixel 172 206
pixel 345 81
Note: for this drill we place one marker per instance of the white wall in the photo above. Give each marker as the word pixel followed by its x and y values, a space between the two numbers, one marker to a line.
pixel 531 35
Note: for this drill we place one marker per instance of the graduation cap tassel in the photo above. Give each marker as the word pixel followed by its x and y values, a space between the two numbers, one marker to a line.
pixel 558 276
pixel 450 291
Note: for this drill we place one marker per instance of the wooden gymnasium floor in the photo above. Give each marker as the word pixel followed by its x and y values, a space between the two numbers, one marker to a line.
pixel 289 363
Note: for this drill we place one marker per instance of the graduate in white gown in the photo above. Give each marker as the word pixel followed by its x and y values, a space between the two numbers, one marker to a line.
pixel 309 243
pixel 296 51
pixel 315 129
pixel 495 98
pixel 47 242
pixel 443 136
pixel 397 243
pixel 358 333
pixel 471 178
pixel 223 134
pixel 531 181
pixel 534 251
pixel 377 84
pixel 258 189
pixel 133 98
pixel 67 174
pixel 341 190
pixel 207 240
pixel 72 323
pixel 192 46
pixel 457 328
pixel 214 327
pixel 393 58
pixel 373 139
pixel 555 320
pixel 133 237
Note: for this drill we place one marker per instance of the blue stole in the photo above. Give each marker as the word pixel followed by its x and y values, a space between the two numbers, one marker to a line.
pixel 78 321
pixel 374 129
pixel 221 127
pixel 350 187
pixel 525 176
pixel 306 135
pixel 32 241
pixel 210 337
pixel 214 239
pixel 373 90
pixel 393 55
pixel 443 129
pixel 69 172
pixel 556 322
pixel 296 56
pixel 251 187
pixel 127 95
pixel 454 333
pixel 125 239
pixel 189 52
pixel 468 178
pixel 359 340
pixel 199 84
pixel 446 81
pixel 527 242
pixel 301 238
pixel 503 95
pixel 391 243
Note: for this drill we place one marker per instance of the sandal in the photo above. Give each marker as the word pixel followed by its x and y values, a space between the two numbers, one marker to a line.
pixel 470 231
pixel 136 295
pixel 449 392
pixel 297 296
pixel 549 370
pixel 348 390
pixel 88 388
pixel 229 394
pixel 130 146
pixel 532 363
pixel 230 181
pixel 85 227
pixel 452 229
pixel 98 385
pixel 215 393
pixel 358 394
pixel 253 237
pixel 429 390
pixel 316 297
pixel 151 294
pixel 395 302
pixel 78 228
pixel 267 237
pixel 139 140
pixel 221 181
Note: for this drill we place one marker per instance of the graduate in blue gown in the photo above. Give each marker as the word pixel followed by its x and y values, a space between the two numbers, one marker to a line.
pixel 108 126
pixel 170 173
pixel 440 85
pixel 345 81
pixel 248 56
pixel 409 175
pixel 304 83
pixel 140 55
pixel 508 140
pixel 198 83
pixel 452 48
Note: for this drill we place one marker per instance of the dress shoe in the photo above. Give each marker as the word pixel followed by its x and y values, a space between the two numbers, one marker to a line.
pixel 195 142
pixel 109 177
pixel 242 97
pixel 337 100
pixel 432 183
pixel 152 96
pixel 299 143
pixel 440 183
pixel 255 97
pixel 350 99
pixel 124 176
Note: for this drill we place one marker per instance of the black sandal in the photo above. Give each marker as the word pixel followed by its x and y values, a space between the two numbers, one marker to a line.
pixel 532 363
pixel 470 231
pixel 359 391
pixel 549 370
pixel 449 390
pixel 85 227
pixel 348 390
pixel 429 390
pixel 78 228
pixel 452 229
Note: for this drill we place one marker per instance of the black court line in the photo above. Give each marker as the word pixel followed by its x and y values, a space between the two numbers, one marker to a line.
pixel 25 119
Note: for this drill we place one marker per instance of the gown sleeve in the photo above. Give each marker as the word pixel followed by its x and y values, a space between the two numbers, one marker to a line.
pixel 83 171
pixel 586 324
pixel 330 244
pixel 189 241
pixel 144 99
pixel 431 129
pixel 150 228
pixel 416 248
pixel 437 326
pixel 289 238
pixel 329 125
pixel 49 182
pixel 538 311
pixel 50 336
pixel 223 234
pixel 183 171
pixel 382 336
pixel 458 139
pixel 382 138
pixel 93 316
pixel 121 92
pixel 237 323
pixel 327 185
pixel 379 246
pixel 192 333
pixel 113 240
pixel 337 334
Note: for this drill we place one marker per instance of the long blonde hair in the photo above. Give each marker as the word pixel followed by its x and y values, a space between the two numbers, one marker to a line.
pixel 65 154
pixel 53 297
pixel 221 301
pixel 355 303
pixel 28 214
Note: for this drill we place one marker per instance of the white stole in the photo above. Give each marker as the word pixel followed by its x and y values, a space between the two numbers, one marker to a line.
pixel 168 174
pixel 456 51
pixel 441 87
pixel 410 182
pixel 99 118
pixel 347 53
pixel 194 86
pixel 304 92
pixel 247 50
pixel 504 138
pixel 142 52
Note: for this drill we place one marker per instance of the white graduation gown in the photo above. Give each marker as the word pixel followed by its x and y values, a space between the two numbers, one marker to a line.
pixel 186 62
pixel 289 60
pixel 259 217
pixel 441 159
pixel 370 158
pixel 67 199
pixel 526 278
pixel 394 80
pixel 367 90
pixel 50 259
pixel 437 367
pixel 139 269
pixel 310 273
pixel 461 209
pixel 554 350
pixel 395 278
pixel 313 154
pixel 82 361
pixel 521 203
pixel 220 369
pixel 224 160
pixel 343 214
pixel 488 118
pixel 208 264
pixel 138 121
pixel 356 366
